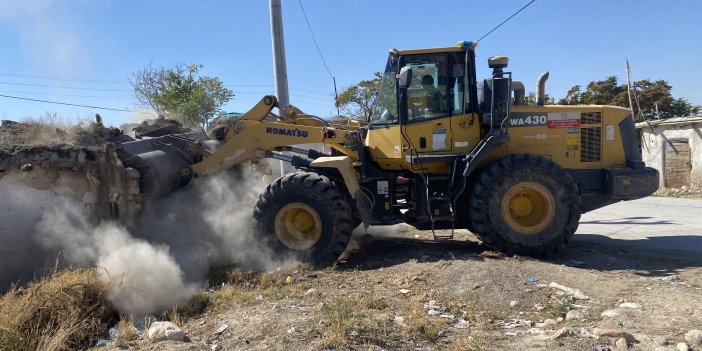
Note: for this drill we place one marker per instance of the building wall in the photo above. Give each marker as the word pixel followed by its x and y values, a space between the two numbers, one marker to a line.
pixel 655 142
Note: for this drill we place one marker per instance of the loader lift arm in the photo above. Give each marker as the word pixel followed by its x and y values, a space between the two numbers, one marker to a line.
pixel 259 133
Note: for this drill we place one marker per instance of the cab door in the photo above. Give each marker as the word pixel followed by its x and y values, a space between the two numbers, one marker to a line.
pixel 427 125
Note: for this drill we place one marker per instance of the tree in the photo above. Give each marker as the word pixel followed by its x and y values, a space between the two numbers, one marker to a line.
pixel 180 93
pixel 573 97
pixel 531 99
pixel 655 99
pixel 357 100
pixel 681 107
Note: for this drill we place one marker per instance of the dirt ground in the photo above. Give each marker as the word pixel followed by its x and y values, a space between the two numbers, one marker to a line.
pixel 401 290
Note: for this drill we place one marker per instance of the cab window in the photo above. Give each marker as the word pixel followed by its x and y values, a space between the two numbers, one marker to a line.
pixel 427 95
pixel 385 109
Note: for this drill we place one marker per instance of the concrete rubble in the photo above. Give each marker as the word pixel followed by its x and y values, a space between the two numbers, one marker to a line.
pixel 80 163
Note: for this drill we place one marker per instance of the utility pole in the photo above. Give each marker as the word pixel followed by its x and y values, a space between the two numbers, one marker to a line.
pixel 279 69
pixel 628 89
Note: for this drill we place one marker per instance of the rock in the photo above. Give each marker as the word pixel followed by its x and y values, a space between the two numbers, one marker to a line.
pixel 216 347
pixel 312 291
pixel 165 331
pixel 221 328
pixel 291 330
pixel 562 333
pixel 102 343
pixel 462 324
pixel 614 313
pixel 570 291
pixel 404 291
pixel 574 315
pixel 694 337
pixel 433 313
pixel 514 303
pixel 671 278
pixel 632 305
pixel 681 346
pixel 26 167
pixel 399 320
pixel 614 333
pixel 276 307
pixel 660 341
pixel 511 334
pixel 622 344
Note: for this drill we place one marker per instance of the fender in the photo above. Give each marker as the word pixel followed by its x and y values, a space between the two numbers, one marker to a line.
pixel 346 166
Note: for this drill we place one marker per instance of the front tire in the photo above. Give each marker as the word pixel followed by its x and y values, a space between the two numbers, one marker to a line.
pixel 526 205
pixel 306 216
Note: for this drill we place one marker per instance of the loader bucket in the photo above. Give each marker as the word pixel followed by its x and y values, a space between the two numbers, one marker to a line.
pixel 164 163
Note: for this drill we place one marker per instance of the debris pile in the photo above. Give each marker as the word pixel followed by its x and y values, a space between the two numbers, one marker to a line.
pixel 78 162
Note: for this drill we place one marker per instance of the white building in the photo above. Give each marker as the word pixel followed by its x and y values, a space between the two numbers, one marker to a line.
pixel 674 147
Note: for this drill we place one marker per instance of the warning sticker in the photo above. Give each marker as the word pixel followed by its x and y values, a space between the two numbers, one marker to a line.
pixel 438 140
pixel 563 119
pixel 573 139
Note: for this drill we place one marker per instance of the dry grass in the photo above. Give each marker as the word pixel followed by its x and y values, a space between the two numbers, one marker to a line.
pixel 48 130
pixel 470 343
pixel 67 310
pixel 243 287
pixel 126 332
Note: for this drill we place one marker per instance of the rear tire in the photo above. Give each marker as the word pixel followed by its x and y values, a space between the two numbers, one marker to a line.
pixel 526 205
pixel 306 216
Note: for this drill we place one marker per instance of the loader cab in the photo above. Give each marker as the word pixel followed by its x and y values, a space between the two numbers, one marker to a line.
pixel 426 107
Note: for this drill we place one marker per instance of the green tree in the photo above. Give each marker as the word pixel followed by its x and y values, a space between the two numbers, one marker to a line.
pixel 573 97
pixel 655 99
pixel 605 92
pixel 357 100
pixel 681 107
pixel 531 99
pixel 180 93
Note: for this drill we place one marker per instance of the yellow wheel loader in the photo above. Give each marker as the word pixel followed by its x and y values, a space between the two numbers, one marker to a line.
pixel 442 151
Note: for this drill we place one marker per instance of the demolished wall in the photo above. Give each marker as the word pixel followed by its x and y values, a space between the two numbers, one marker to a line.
pixel 78 164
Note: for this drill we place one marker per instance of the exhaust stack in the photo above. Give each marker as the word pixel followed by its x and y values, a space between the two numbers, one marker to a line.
pixel 541 88
pixel 519 91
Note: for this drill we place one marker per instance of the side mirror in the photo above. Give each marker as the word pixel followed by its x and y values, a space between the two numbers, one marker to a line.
pixel 405 77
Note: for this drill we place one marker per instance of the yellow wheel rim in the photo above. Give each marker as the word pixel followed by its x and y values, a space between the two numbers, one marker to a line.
pixel 528 207
pixel 298 226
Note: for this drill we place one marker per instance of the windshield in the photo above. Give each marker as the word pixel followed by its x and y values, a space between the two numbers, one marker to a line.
pixel 385 109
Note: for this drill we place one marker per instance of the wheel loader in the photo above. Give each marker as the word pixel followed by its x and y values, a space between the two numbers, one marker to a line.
pixel 443 150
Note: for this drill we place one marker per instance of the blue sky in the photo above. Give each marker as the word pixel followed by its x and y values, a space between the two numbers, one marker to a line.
pixel 83 51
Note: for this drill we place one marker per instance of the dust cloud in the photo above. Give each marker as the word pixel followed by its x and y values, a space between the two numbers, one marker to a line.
pixel 153 265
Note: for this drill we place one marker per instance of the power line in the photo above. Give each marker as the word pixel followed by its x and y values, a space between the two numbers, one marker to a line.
pixel 71 95
pixel 64 103
pixel 313 39
pixel 336 95
pixel 505 21
pixel 309 91
pixel 62 87
pixel 99 81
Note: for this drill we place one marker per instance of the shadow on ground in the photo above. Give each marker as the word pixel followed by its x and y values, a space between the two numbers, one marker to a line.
pixel 653 257
pixel 631 221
